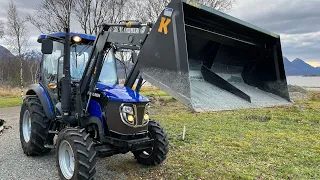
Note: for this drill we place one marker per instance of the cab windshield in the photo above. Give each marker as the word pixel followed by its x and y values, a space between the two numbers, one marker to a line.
pixel 79 59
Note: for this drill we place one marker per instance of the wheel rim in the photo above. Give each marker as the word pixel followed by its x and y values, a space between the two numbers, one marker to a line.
pixel 148 152
pixel 66 159
pixel 26 126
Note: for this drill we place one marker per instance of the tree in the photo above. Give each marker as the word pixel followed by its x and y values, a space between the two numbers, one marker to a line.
pixel 16 38
pixel 92 13
pixel 220 5
pixel 52 15
pixel 153 8
pixel 16 31
pixel 1 29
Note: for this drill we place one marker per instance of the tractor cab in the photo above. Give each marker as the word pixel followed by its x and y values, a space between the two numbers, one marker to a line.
pixel 108 95
pixel 80 49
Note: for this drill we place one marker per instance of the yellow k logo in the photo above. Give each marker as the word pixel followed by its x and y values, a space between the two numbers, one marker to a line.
pixel 163 28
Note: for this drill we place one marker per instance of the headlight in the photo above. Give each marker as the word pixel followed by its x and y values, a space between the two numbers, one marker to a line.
pixel 134 115
pixel 146 114
pixel 127 114
pixel 146 117
pixel 127 109
pixel 130 118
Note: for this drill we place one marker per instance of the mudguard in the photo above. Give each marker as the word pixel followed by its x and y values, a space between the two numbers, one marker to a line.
pixel 38 89
pixel 95 120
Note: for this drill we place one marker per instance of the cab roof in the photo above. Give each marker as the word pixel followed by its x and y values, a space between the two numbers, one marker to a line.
pixel 60 35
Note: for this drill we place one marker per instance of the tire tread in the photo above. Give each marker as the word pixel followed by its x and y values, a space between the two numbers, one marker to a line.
pixel 85 157
pixel 39 128
pixel 160 149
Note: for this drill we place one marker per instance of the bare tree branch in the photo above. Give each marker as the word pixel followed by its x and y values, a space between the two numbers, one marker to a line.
pixel 16 31
pixel 150 9
pixel 92 13
pixel 52 15
pixel 16 38
pixel 1 29
pixel 221 5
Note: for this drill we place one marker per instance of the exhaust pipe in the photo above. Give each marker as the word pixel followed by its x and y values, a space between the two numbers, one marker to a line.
pixel 211 61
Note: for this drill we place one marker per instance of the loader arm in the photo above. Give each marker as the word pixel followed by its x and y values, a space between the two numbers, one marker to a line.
pixel 106 40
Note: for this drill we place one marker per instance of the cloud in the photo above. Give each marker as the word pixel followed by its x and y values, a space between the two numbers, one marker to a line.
pixel 297 21
pixel 281 16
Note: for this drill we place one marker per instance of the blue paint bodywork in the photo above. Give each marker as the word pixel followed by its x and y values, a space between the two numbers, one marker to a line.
pixel 47 98
pixel 63 35
pixel 121 94
pixel 114 93
pixel 95 109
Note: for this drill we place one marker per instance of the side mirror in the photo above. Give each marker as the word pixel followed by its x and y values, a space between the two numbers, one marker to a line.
pixel 47 46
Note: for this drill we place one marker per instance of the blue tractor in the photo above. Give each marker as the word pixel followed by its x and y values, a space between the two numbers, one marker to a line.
pixel 205 59
pixel 103 119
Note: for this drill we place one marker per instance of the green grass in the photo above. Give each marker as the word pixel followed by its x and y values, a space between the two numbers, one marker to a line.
pixel 10 101
pixel 153 93
pixel 293 88
pixel 273 143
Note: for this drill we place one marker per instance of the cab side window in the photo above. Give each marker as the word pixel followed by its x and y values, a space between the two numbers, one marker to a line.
pixel 50 63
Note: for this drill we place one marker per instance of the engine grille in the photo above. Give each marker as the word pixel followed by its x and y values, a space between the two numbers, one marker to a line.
pixel 140 109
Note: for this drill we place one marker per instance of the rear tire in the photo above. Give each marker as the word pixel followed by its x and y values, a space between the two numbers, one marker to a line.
pixel 34 127
pixel 75 155
pixel 157 154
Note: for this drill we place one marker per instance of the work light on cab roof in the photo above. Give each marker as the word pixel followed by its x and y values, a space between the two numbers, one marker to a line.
pixel 76 39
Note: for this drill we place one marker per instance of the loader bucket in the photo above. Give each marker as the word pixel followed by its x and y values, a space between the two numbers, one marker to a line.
pixel 210 61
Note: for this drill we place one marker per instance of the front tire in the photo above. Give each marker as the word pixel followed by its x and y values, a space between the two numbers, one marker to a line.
pixel 34 127
pixel 158 153
pixel 75 155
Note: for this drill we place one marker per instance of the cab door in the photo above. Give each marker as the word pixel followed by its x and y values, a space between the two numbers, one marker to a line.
pixel 51 71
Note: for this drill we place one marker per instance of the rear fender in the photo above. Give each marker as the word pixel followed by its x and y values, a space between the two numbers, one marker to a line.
pixel 41 93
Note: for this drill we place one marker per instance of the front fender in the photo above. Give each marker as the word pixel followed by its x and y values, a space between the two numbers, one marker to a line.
pixel 42 94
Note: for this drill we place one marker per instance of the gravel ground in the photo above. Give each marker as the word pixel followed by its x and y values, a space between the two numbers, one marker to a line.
pixel 14 165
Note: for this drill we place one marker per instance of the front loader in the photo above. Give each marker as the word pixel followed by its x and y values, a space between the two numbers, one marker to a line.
pixel 207 60
pixel 210 61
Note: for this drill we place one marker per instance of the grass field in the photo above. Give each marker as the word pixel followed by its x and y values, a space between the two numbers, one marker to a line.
pixel 272 143
pixel 10 102
pixel 10 97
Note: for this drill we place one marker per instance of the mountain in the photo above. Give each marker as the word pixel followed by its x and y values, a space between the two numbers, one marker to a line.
pixel 33 55
pixel 5 53
pixel 298 67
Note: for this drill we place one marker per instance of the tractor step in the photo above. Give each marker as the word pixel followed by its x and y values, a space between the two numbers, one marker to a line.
pixel 53 132
pixel 105 150
pixel 49 146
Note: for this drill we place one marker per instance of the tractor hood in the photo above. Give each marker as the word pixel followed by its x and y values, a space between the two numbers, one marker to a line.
pixel 121 94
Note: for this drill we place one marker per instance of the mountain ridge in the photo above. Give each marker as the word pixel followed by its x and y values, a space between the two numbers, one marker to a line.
pixel 5 53
pixel 297 67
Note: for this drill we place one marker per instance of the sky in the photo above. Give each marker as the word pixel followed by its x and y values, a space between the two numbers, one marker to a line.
pixel 297 22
